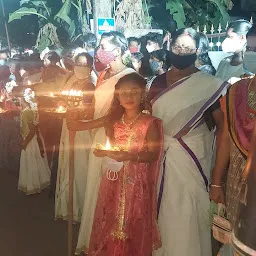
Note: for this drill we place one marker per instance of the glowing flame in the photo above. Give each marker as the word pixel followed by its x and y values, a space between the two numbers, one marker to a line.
pixel 60 109
pixel 51 94
pixel 72 93
pixel 29 82
pixel 108 146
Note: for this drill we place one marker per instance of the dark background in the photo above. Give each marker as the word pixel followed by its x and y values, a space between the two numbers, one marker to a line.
pixel 23 32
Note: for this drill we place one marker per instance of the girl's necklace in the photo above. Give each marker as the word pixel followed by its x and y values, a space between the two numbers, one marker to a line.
pixel 130 124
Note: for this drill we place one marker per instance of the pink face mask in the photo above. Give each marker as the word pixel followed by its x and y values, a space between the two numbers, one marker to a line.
pixel 134 49
pixel 105 57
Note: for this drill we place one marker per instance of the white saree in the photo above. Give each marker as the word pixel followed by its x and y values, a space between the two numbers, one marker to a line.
pixel 183 197
pixel 103 97
pixel 82 147
pixel 81 154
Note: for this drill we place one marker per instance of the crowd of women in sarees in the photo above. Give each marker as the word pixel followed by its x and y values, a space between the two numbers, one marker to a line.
pixel 190 127
pixel 183 203
pixel 191 105
pixel 152 196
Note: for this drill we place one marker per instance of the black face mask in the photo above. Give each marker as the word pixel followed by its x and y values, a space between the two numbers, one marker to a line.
pixel 182 61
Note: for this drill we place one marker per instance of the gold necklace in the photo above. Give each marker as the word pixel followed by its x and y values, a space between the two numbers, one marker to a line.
pixel 130 124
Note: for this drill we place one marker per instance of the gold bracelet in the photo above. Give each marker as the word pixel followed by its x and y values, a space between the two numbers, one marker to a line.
pixel 215 186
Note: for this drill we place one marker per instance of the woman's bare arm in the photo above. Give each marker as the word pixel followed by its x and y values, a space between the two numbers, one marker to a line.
pixel 222 147
pixel 222 157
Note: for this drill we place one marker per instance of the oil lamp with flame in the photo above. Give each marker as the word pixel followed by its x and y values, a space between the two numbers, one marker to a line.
pixel 73 97
pixel 61 109
pixel 107 146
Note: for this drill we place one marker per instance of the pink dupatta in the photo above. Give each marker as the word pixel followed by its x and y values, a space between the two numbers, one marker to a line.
pixel 240 125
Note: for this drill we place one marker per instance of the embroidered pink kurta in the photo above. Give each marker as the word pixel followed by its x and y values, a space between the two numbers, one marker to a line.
pixel 125 222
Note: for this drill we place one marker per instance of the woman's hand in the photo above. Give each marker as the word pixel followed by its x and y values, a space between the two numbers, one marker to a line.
pixel 217 195
pixel 100 153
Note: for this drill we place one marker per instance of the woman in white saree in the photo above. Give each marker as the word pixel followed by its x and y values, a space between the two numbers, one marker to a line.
pixel 112 47
pixel 189 112
pixel 79 81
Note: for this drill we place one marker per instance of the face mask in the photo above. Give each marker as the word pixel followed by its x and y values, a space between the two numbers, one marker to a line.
pixel 2 62
pixel 230 45
pixel 98 66
pixel 182 62
pixel 82 72
pixel 134 49
pixel 150 48
pixel 105 57
pixel 154 66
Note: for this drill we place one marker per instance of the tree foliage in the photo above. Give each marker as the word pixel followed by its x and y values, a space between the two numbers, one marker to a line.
pixel 192 13
pixel 50 19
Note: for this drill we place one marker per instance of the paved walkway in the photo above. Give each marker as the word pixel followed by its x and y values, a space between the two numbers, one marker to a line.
pixel 27 227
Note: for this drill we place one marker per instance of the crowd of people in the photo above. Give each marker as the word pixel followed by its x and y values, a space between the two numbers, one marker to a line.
pixel 180 135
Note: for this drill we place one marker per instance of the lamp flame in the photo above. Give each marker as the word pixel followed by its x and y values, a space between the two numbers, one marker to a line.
pixel 61 109
pixel 108 145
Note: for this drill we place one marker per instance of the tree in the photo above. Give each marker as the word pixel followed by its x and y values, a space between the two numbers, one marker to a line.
pixel 191 13
pixel 50 19
pixel 132 14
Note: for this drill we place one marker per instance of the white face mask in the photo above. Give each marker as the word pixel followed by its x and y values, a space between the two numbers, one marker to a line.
pixel 82 72
pixel 150 48
pixel 135 65
pixel 230 45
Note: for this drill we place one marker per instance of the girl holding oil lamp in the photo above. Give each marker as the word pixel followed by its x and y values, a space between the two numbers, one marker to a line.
pixel 127 197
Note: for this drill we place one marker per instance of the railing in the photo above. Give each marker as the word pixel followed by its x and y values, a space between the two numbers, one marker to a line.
pixel 216 38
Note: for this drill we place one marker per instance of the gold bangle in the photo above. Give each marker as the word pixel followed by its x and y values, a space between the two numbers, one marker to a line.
pixel 215 186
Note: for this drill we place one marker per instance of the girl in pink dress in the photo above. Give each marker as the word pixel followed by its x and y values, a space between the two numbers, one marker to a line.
pixel 125 220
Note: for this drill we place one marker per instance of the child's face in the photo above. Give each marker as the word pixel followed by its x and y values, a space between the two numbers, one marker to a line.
pixel 130 96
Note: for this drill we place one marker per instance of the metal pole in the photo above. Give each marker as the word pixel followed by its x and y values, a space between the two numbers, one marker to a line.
pixel 72 135
pixel 6 27
pixel 95 16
